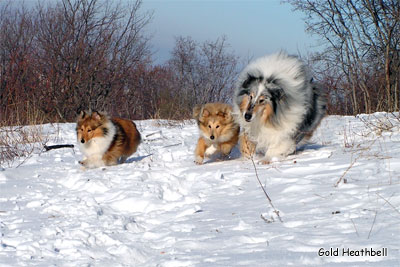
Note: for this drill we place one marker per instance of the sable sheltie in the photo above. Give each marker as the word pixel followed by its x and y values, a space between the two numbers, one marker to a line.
pixel 277 105
pixel 218 130
pixel 105 141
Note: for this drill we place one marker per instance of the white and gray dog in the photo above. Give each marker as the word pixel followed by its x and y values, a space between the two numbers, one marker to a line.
pixel 277 106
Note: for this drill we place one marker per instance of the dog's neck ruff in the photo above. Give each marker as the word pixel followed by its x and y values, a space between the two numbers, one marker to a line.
pixel 99 145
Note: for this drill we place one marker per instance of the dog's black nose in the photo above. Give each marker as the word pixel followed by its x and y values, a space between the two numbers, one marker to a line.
pixel 212 137
pixel 82 141
pixel 247 117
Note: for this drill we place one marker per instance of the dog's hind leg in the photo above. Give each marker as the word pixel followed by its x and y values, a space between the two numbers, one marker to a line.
pixel 110 159
pixel 122 159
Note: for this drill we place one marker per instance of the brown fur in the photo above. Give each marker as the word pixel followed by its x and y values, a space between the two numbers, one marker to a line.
pixel 265 108
pixel 247 148
pixel 123 144
pixel 244 104
pixel 215 119
pixel 267 113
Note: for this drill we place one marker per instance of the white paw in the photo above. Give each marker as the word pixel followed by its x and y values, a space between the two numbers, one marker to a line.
pixel 198 160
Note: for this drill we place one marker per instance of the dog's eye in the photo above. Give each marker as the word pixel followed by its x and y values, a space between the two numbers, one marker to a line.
pixel 89 130
pixel 209 126
pixel 217 126
pixel 261 101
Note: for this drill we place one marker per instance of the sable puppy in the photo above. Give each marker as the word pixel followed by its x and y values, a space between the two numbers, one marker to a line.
pixel 277 105
pixel 218 130
pixel 105 141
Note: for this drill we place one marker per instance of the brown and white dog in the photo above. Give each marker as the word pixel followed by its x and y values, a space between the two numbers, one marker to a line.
pixel 218 130
pixel 105 141
pixel 277 106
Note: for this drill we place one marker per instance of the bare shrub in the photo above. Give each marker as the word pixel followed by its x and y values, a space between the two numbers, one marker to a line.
pixel 87 50
pixel 205 72
pixel 20 142
pixel 378 124
pixel 361 56
pixel 68 55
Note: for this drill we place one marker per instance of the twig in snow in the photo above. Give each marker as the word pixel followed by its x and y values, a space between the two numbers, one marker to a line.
pixel 172 145
pixel 150 134
pixel 341 177
pixel 265 192
pixel 390 204
pixel 47 148
pixel 373 223
pixel 355 228
pixel 267 220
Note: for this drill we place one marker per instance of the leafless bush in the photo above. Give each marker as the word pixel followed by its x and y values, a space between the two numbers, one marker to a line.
pixel 379 124
pixel 87 50
pixel 361 59
pixel 69 55
pixel 204 72
pixel 20 142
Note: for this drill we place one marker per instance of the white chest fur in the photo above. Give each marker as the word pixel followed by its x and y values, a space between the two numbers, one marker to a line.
pixel 97 146
pixel 211 150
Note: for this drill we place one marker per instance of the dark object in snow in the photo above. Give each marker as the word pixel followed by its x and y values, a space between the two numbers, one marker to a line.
pixel 47 148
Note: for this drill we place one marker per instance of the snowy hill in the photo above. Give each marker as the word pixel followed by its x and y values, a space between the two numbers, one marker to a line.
pixel 160 209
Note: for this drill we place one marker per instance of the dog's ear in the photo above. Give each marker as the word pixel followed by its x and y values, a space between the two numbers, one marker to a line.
pixel 196 112
pixel 250 78
pixel 205 113
pixel 97 115
pixel 277 93
pixel 82 115
pixel 226 114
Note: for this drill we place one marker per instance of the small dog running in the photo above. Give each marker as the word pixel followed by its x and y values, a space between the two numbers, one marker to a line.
pixel 105 141
pixel 218 130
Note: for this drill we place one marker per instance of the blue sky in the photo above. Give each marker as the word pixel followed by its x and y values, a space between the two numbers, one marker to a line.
pixel 253 28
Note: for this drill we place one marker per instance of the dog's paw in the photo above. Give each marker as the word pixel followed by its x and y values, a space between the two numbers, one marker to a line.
pixel 90 163
pixel 264 162
pixel 198 160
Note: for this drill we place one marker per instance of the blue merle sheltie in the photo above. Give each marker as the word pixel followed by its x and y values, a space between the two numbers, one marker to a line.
pixel 277 105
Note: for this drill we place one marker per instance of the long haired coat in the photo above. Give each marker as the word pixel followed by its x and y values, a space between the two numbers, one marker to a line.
pixel 277 105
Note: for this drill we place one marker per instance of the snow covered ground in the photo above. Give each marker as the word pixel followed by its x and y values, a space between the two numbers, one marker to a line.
pixel 160 209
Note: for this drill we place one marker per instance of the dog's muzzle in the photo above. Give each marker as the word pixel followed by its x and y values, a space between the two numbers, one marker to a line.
pixel 82 141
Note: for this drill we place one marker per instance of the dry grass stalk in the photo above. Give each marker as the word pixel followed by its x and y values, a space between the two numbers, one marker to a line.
pixel 372 226
pixel 20 142
pixel 390 204
pixel 262 187
pixel 348 168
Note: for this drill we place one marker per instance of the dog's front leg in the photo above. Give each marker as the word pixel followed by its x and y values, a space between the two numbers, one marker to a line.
pixel 200 150
pixel 279 151
pixel 93 161
pixel 247 148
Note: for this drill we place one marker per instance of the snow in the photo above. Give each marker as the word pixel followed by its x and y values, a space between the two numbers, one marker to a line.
pixel 161 209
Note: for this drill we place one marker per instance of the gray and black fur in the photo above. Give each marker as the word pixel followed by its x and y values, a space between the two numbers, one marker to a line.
pixel 277 104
